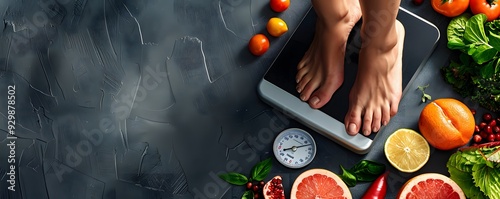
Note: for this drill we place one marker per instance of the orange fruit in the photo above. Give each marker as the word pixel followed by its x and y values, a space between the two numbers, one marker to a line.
pixel 446 123
pixel 279 5
pixel 276 27
pixel 319 183
pixel 258 44
pixel 431 185
pixel 406 150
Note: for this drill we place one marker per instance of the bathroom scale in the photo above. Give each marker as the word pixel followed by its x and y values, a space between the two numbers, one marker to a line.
pixel 277 87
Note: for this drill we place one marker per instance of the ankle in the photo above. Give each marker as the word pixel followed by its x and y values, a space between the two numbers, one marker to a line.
pixel 383 39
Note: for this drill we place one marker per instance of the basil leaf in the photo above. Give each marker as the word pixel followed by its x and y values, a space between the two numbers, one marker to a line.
pixel 348 177
pixel 367 170
pixel 455 32
pixel 247 195
pixel 234 178
pixel 261 169
pixel 494 40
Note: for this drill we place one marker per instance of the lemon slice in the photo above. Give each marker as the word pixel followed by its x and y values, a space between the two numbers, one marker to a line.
pixel 407 150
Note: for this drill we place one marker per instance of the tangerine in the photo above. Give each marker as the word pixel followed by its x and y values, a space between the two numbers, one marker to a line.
pixel 446 123
pixel 319 183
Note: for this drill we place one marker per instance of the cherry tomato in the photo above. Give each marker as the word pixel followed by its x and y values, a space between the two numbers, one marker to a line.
pixel 488 7
pixel 279 5
pixel 378 189
pixel 276 27
pixel 258 44
pixel 450 8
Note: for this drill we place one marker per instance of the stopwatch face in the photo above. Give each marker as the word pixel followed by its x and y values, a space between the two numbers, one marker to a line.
pixel 294 148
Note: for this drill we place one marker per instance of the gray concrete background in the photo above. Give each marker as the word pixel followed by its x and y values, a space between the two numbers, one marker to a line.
pixel 154 98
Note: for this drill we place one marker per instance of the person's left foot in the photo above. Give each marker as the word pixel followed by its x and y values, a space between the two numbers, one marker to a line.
pixel 375 95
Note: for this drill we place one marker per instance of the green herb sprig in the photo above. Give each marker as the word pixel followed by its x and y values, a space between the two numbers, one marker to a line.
pixel 425 96
pixel 363 171
pixel 259 173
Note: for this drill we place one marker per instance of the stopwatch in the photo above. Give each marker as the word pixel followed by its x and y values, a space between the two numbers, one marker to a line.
pixel 294 148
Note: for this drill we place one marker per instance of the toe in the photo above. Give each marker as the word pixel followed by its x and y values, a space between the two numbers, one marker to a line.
pixel 352 120
pixel 394 108
pixel 308 89
pixel 367 123
pixel 377 119
pixel 324 93
pixel 386 115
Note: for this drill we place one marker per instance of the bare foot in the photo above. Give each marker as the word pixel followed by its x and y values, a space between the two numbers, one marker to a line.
pixel 321 70
pixel 375 95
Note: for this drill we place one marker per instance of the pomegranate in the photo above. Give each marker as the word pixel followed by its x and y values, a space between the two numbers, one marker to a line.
pixel 273 189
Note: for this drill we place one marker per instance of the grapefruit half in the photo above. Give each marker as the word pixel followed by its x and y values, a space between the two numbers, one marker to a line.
pixel 431 185
pixel 319 183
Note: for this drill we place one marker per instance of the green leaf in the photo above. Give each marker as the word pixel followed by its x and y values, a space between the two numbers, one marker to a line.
pixel 261 169
pixel 482 53
pixel 367 170
pixel 247 195
pixel 488 70
pixel 474 29
pixel 234 178
pixel 348 177
pixel 455 32
pixel 494 40
pixel 488 180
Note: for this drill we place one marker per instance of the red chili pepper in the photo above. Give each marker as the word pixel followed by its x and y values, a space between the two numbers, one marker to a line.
pixel 378 189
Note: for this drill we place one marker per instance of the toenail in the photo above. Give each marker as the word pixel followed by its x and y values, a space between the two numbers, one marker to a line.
pixel 366 132
pixel 375 129
pixel 352 128
pixel 303 98
pixel 384 123
pixel 314 100
pixel 299 89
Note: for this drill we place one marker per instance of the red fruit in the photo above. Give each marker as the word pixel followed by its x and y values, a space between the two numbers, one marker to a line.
pixel 473 111
pixel 497 137
pixel 491 138
pixel 476 129
pixel 279 5
pixel 493 123
pixel 488 129
pixel 496 129
pixel 249 185
pixel 418 2
pixel 483 134
pixel 487 117
pixel 482 125
pixel 477 138
pixel 274 189
pixel 378 189
pixel 255 188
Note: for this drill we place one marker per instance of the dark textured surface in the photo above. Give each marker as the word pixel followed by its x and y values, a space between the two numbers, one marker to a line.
pixel 154 98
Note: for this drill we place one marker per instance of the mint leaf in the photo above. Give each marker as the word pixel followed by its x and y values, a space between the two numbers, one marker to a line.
pixel 234 178
pixel 348 177
pixel 367 170
pixel 261 169
pixel 247 195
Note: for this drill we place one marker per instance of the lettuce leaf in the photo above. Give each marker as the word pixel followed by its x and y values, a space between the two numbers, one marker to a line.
pixel 477 177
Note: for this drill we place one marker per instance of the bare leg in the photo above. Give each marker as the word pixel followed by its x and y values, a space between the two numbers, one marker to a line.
pixel 321 70
pixel 376 92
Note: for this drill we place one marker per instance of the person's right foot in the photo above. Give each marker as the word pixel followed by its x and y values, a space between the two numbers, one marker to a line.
pixel 321 70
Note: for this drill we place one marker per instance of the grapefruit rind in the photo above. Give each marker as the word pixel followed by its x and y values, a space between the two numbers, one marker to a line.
pixel 407 187
pixel 418 138
pixel 311 172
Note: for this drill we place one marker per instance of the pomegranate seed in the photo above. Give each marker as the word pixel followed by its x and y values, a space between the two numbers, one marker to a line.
pixel 473 111
pixel 488 129
pixel 249 185
pixel 476 129
pixel 262 183
pixel 487 117
pixel 493 123
pixel 497 137
pixel 483 134
pixel 255 188
pixel 255 195
pixel 418 2
pixel 496 129
pixel 482 125
pixel 477 138
pixel 491 138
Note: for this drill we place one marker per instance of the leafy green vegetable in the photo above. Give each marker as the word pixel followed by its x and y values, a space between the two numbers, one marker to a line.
pixel 234 178
pixel 478 177
pixel 363 171
pixel 474 69
pixel 261 169
pixel 425 96
pixel 247 195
